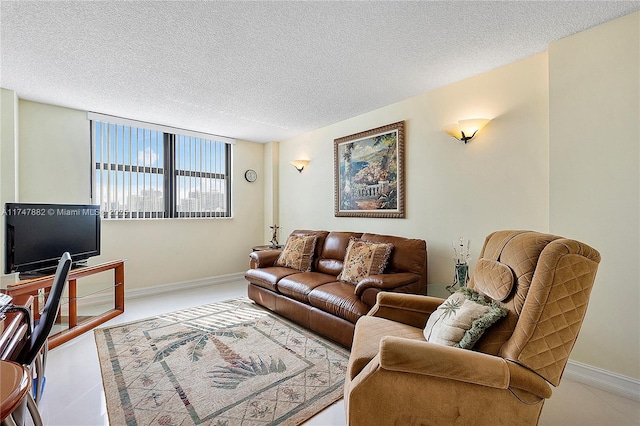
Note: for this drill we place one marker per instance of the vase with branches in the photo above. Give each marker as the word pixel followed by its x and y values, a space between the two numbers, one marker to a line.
pixel 461 256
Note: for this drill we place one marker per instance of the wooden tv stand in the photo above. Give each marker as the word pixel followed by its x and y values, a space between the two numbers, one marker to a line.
pixel 31 287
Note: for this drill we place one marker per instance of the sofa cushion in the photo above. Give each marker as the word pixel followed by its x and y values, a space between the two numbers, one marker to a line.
pixel 408 255
pixel 461 319
pixel 364 258
pixel 339 299
pixel 331 254
pixel 298 286
pixel 298 252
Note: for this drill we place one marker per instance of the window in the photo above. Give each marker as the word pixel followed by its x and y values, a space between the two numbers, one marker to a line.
pixel 201 171
pixel 148 171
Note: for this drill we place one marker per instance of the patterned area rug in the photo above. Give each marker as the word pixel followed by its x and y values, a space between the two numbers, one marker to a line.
pixel 227 363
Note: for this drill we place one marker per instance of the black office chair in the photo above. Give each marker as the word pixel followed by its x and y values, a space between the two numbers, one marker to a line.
pixel 34 351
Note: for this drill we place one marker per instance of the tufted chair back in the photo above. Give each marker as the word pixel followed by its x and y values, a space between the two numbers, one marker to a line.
pixel 545 282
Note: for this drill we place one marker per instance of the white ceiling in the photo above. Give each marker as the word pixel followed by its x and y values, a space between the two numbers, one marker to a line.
pixel 267 71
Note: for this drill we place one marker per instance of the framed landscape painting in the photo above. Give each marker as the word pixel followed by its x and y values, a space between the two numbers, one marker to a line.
pixel 369 173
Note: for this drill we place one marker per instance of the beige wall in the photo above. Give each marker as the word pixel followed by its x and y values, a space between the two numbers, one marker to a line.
pixel 561 155
pixel 55 167
pixel 595 181
pixel 271 166
pixel 8 146
pixel 8 162
pixel 498 180
pixel 54 154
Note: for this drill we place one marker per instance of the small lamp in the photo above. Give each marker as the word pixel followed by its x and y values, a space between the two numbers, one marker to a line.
pixel 299 164
pixel 465 130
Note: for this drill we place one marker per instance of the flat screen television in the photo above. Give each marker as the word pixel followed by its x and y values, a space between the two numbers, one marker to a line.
pixel 36 235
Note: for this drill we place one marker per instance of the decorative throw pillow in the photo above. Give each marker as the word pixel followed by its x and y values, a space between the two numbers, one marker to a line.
pixel 364 258
pixel 298 252
pixel 462 319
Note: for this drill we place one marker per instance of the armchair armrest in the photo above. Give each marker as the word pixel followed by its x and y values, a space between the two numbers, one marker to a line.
pixel 264 258
pixel 410 309
pixel 411 356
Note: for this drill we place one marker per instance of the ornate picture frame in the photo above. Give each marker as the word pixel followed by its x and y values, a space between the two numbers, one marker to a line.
pixel 369 173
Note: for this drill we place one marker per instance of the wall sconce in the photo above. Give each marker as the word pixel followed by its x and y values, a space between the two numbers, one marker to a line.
pixel 299 164
pixel 465 130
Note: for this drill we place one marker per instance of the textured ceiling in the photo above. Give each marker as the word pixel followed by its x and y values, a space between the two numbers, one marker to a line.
pixel 267 71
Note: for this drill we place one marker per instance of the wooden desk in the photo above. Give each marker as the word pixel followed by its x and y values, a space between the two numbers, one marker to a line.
pixel 31 287
pixel 14 327
pixel 14 386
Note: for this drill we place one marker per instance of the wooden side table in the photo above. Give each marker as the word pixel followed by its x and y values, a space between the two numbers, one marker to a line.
pixel 265 247
pixel 438 290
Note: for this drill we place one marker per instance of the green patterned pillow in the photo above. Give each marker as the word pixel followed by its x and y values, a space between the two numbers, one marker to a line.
pixel 462 319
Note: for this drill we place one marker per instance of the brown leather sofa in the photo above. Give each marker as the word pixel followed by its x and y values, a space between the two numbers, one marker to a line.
pixel 317 299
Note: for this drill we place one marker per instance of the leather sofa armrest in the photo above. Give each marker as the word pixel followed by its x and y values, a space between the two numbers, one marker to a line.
pixel 445 362
pixel 386 281
pixel 264 258
pixel 410 309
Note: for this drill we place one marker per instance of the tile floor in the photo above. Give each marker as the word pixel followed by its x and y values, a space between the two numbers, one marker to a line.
pixel 74 396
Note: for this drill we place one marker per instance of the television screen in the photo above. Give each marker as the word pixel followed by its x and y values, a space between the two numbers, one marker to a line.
pixel 36 235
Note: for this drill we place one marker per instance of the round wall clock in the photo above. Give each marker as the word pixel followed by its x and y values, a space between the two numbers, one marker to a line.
pixel 250 175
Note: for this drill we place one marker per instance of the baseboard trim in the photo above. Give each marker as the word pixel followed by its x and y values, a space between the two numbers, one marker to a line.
pixel 138 293
pixel 183 285
pixel 602 379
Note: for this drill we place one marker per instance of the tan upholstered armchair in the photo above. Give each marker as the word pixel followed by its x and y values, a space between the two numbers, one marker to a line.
pixel 396 377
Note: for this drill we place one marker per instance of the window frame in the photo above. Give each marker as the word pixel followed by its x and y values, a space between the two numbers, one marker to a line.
pixel 176 172
pixel 170 172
